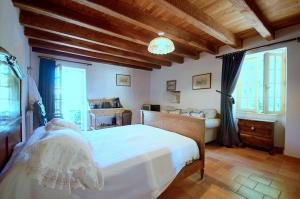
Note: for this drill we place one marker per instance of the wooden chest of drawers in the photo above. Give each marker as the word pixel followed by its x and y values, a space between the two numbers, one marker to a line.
pixel 257 133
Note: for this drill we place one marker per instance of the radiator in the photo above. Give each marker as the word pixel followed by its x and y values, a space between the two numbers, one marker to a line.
pixel 29 123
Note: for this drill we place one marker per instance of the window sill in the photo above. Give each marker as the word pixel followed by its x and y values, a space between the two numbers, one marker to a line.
pixel 254 113
pixel 262 116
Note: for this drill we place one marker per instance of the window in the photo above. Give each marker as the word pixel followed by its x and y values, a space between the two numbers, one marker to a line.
pixel 70 95
pixel 261 86
pixel 4 90
pixel 9 98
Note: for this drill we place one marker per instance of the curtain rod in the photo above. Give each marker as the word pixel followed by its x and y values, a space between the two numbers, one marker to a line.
pixel 253 48
pixel 52 58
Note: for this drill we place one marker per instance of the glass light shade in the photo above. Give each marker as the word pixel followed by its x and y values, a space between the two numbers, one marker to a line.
pixel 161 45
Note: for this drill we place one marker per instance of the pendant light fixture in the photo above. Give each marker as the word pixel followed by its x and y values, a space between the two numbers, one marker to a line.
pixel 161 45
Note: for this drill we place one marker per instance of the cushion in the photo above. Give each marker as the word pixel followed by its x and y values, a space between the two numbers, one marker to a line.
pixel 185 114
pixel 95 103
pixel 212 123
pixel 174 111
pixel 110 101
pixel 187 110
pixel 62 159
pixel 96 106
pixel 106 105
pixel 117 103
pixel 58 124
pixel 199 114
pixel 210 113
pixel 167 109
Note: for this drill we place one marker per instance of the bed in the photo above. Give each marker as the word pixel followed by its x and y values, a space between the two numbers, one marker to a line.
pixel 136 161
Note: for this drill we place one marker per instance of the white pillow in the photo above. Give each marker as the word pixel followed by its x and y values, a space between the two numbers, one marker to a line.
pixel 63 160
pixel 185 114
pixel 177 112
pixel 197 114
pixel 210 113
pixel 58 124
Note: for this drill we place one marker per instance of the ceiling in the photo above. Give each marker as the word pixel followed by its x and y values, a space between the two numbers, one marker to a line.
pixel 117 32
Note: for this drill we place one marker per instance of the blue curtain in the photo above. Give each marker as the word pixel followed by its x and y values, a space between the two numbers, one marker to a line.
pixel 46 85
pixel 231 68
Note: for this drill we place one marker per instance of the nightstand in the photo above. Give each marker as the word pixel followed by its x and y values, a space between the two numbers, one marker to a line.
pixel 257 133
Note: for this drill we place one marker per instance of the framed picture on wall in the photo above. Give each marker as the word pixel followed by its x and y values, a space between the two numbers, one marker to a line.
pixel 171 85
pixel 202 81
pixel 123 80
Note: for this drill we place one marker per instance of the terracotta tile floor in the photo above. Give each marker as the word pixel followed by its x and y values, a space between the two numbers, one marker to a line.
pixel 241 173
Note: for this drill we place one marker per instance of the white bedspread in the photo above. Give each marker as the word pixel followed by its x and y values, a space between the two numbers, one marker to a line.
pixel 137 162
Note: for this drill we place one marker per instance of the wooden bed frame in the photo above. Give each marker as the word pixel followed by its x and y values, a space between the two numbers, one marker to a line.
pixel 11 127
pixel 193 128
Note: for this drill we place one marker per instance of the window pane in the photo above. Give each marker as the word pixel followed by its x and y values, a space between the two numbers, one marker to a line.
pixel 278 90
pixel 278 69
pixel 247 84
pixel 271 70
pixel 4 70
pixel 274 85
pixel 9 100
pixel 271 63
pixel 74 103
pixel 5 93
pixel 4 80
pixel 5 104
pixel 57 91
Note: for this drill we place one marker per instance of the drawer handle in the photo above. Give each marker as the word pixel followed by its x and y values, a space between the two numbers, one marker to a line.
pixel 252 128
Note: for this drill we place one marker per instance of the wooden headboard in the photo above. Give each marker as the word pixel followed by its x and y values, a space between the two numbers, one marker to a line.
pixel 10 112
pixel 193 128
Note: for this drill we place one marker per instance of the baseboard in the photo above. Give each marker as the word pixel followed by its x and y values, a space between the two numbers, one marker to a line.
pixel 291 158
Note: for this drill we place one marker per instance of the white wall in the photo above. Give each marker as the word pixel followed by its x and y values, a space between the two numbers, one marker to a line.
pixel 292 138
pixel 210 99
pixel 13 40
pixel 152 85
pixel 101 83
pixel 206 98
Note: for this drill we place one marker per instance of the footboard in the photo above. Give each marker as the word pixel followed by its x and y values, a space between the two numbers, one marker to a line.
pixel 193 128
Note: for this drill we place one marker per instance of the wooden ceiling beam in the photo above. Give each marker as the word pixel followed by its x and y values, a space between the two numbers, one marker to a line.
pixel 80 57
pixel 68 49
pixel 200 20
pixel 43 22
pixel 51 37
pixel 84 16
pixel 254 16
pixel 125 12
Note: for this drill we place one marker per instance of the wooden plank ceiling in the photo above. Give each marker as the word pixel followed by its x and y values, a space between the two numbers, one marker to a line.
pixel 117 32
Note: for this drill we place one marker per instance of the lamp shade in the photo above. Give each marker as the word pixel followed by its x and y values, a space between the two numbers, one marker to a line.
pixel 161 45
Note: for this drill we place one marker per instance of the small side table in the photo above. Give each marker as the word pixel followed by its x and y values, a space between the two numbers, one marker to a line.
pixel 258 133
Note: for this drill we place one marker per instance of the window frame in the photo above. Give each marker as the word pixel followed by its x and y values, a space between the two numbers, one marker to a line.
pixel 266 75
pixel 58 110
pixel 266 79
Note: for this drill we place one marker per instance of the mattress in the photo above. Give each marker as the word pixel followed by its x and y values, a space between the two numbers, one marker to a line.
pixel 137 162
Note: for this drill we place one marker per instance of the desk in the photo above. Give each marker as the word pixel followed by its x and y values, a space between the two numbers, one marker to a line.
pixel 94 113
pixel 259 133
